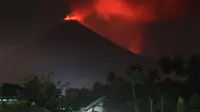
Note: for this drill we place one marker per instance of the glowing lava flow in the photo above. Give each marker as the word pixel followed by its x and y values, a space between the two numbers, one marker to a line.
pixel 71 17
pixel 123 21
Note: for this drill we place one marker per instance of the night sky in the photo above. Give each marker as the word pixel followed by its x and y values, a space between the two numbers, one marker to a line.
pixel 34 39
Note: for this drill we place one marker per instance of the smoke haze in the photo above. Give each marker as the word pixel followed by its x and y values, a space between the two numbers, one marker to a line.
pixel 124 21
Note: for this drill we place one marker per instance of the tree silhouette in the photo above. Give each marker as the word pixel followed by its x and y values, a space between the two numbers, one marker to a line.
pixel 111 77
pixel 178 65
pixel 193 67
pixel 135 75
pixel 166 64
pixel 41 91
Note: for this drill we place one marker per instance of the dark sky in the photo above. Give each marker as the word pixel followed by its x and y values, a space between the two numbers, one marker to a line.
pixel 173 38
pixel 34 39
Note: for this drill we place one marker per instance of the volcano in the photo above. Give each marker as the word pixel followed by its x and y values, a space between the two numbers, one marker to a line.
pixel 73 35
pixel 85 53
pixel 75 54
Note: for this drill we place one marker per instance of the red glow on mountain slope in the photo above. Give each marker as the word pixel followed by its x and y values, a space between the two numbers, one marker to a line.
pixel 123 21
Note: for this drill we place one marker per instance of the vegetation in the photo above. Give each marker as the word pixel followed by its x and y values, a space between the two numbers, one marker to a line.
pixel 173 87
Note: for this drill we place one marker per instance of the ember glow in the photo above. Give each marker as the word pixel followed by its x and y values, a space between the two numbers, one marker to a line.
pixel 123 21
pixel 72 17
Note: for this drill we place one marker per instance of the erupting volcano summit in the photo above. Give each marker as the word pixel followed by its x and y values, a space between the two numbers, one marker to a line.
pixel 124 21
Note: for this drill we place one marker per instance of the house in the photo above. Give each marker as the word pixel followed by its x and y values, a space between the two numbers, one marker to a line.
pixel 96 106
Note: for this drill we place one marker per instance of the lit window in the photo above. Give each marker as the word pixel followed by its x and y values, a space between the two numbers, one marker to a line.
pixel 10 100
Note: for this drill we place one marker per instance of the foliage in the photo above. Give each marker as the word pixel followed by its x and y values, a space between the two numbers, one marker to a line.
pixel 174 87
pixel 42 92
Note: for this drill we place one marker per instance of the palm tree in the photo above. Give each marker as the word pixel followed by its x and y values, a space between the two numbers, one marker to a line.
pixel 193 67
pixel 135 75
pixel 153 76
pixel 178 67
pixel 166 64
pixel 173 65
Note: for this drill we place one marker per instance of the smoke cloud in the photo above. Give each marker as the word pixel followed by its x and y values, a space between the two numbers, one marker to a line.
pixel 123 21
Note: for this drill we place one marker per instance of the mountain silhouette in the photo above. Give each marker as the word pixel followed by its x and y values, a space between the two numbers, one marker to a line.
pixel 75 54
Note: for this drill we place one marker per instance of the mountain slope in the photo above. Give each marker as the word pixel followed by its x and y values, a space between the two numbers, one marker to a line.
pixel 75 54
